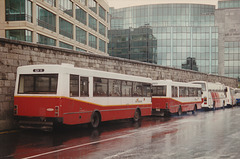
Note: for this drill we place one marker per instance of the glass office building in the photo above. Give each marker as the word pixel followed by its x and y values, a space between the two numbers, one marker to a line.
pixel 227 19
pixel 80 25
pixel 179 33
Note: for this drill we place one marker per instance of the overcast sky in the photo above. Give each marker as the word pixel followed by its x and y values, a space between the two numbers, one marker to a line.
pixel 128 3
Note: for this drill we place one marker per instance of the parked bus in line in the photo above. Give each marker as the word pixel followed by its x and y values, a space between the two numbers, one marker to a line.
pixel 46 95
pixel 237 95
pixel 175 97
pixel 230 92
pixel 213 95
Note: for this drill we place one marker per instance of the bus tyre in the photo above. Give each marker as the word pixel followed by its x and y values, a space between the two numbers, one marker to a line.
pixel 179 113
pixel 214 105
pixel 137 115
pixel 194 111
pixel 95 120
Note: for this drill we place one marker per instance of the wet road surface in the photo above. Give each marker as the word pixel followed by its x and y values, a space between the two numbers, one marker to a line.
pixel 207 135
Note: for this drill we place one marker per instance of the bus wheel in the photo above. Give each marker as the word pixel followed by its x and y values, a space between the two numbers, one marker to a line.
pixel 137 115
pixel 179 111
pixel 95 120
pixel 214 105
pixel 194 111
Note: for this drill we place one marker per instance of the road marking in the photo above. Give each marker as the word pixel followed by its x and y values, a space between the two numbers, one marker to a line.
pixel 77 146
pixel 96 142
pixel 8 132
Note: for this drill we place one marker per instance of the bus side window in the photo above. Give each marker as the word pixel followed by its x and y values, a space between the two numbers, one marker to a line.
pixel 84 87
pixel 174 91
pixel 114 88
pixel 146 90
pixel 199 93
pixel 100 87
pixel 137 89
pixel 127 88
pixel 74 86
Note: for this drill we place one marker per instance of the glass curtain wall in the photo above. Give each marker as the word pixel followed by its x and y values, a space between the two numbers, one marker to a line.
pixel 232 59
pixel 178 32
pixel 18 10
pixel 229 4
pixel 46 19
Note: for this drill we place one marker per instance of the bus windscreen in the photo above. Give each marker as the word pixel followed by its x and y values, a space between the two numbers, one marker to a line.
pixel 38 84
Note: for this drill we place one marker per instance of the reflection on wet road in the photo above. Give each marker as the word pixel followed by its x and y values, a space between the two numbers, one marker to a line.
pixel 205 135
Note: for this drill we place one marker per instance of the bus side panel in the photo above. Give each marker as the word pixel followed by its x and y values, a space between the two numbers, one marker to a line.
pixel 37 106
pixel 79 112
pixel 76 111
pixel 217 99
pixel 124 112
pixel 167 104
pixel 172 105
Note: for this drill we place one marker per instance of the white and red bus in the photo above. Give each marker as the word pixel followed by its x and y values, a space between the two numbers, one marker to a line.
pixel 49 94
pixel 175 97
pixel 230 92
pixel 213 94
pixel 237 96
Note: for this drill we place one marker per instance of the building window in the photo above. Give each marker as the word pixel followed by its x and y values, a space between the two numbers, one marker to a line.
pixel 81 15
pixel 81 50
pixel 92 23
pixel 92 41
pixel 92 4
pixel 18 10
pixel 102 45
pixel 64 45
pixel 66 6
pixel 46 40
pixel 51 2
pixel 102 29
pixel 83 2
pixel 19 34
pixel 65 28
pixel 46 19
pixel 81 35
pixel 102 12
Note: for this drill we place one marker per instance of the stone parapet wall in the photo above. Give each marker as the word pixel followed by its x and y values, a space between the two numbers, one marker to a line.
pixel 15 53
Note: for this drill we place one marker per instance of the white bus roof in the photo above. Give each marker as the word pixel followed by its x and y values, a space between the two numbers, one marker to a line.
pixel 211 85
pixel 170 82
pixel 68 68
